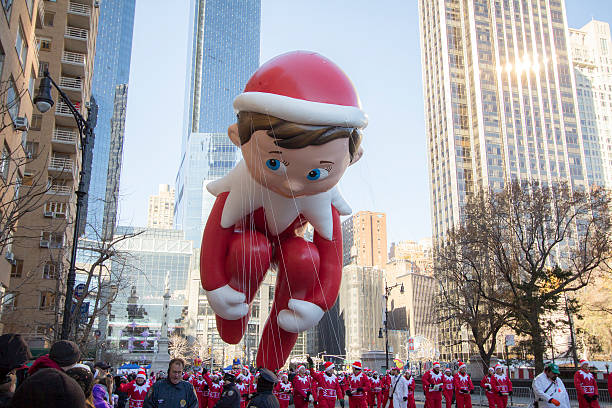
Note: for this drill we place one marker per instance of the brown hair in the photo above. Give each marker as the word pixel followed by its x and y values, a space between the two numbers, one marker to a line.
pixel 289 135
pixel 176 361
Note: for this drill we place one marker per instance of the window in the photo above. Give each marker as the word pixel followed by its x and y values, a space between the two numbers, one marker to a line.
pixel 18 183
pixel 51 270
pixel 21 45
pixel 55 209
pixel 47 300
pixel 44 44
pixel 6 6
pixel 12 99
pixel 28 179
pixel 10 301
pixel 43 67
pixel 36 122
pixel 50 239
pixel 31 84
pixel 49 17
pixel 5 162
pixel 17 268
pixel 30 4
pixel 1 59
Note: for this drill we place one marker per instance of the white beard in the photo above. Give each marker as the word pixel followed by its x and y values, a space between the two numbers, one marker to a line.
pixel 246 196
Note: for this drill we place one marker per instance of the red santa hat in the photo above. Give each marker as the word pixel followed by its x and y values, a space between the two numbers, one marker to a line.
pixel 447 369
pixel 498 366
pixel 583 362
pixel 491 369
pixel 436 364
pixel 461 365
pixel 142 374
pixel 357 365
pixel 303 87
pixel 328 366
pixel 300 367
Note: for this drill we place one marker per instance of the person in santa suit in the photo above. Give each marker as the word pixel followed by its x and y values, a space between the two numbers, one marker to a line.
pixel 244 388
pixel 411 387
pixel 385 380
pixel 374 396
pixel 198 381
pixel 586 386
pixel 485 384
pixel 358 386
pixel 215 387
pixel 463 387
pixel 327 383
pixel 137 389
pixel 447 389
pixel 283 391
pixel 432 386
pixel 502 387
pixel 303 388
pixel 299 128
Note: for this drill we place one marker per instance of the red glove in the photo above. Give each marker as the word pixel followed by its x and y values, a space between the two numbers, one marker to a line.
pixel 555 402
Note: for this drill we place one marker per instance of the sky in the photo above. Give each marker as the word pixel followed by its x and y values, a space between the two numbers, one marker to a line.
pixel 378 48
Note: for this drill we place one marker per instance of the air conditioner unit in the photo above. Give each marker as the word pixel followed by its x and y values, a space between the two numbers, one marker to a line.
pixel 21 123
pixel 44 243
pixel 48 214
pixel 10 257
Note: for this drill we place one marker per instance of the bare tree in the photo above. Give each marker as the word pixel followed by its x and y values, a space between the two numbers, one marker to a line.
pixel 460 299
pixel 526 246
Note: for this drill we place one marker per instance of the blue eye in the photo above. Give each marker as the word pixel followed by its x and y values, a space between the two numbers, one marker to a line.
pixel 275 164
pixel 317 174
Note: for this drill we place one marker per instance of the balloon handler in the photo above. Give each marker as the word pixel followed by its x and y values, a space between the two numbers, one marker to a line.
pixel 299 128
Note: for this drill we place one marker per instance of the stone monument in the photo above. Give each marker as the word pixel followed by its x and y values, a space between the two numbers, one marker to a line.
pixel 162 356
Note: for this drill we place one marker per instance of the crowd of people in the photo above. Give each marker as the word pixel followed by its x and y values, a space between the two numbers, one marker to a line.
pixel 58 379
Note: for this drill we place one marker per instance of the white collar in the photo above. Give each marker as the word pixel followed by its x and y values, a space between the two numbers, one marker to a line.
pixel 141 388
pixel 246 196
pixel 356 377
pixel 586 375
pixel 500 377
pixel 436 376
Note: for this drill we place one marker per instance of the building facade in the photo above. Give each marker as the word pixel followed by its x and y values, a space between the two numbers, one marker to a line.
pixel 66 41
pixel 223 54
pixel 361 306
pixel 161 208
pixel 135 318
pixel 592 60
pixel 18 73
pixel 364 239
pixel 109 87
pixel 418 254
pixel 500 103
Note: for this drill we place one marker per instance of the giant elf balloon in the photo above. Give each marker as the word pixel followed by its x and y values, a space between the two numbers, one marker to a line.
pixel 299 128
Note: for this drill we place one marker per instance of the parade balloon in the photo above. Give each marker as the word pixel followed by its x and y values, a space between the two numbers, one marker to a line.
pixel 299 128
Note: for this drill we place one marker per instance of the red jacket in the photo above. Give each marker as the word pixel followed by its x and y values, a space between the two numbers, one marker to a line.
pixel 431 378
pixel 449 384
pixel 463 383
pixel 328 385
pixel 487 381
pixel 137 393
pixel 302 385
pixel 283 391
pixel 359 385
pixel 501 384
pixel 585 384
pixel 376 385
pixel 411 386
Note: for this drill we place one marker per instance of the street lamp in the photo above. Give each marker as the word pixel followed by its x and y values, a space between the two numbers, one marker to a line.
pixel 44 102
pixel 380 335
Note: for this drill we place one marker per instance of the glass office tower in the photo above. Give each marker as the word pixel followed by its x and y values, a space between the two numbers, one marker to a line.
pixel 223 54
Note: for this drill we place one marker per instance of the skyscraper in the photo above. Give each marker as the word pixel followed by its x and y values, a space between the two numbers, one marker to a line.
pixel 592 58
pixel 500 104
pixel 223 54
pixel 161 208
pixel 111 75
pixel 499 99
pixel 364 239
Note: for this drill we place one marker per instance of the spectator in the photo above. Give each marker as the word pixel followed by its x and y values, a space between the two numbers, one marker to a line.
pixel 84 377
pixel 102 391
pixel 101 369
pixel 122 396
pixel 14 352
pixel 172 391
pixel 549 390
pixel 49 388
pixel 64 354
